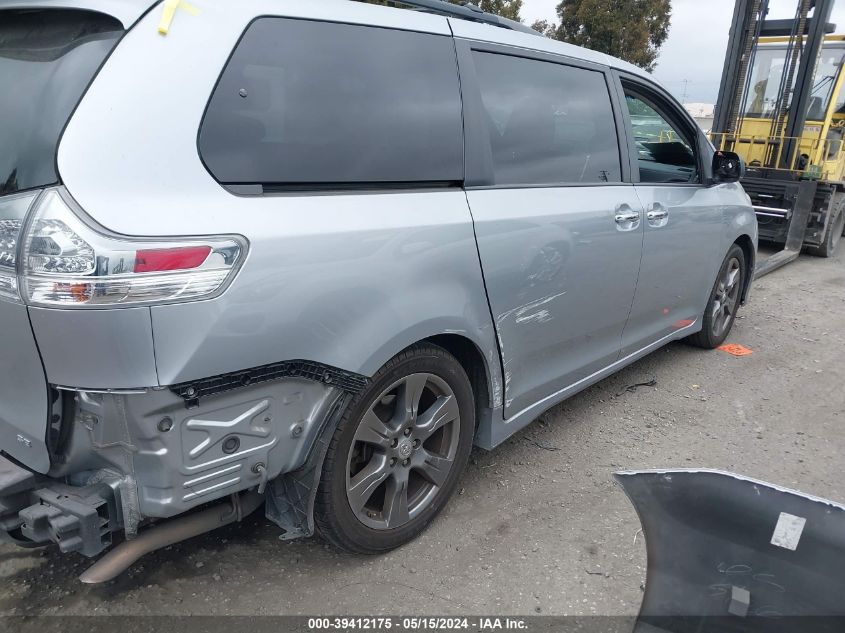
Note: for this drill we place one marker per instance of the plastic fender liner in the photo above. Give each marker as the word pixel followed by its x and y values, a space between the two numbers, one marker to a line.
pixel 291 496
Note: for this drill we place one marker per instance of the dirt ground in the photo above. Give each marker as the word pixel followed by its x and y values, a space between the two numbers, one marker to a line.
pixel 538 526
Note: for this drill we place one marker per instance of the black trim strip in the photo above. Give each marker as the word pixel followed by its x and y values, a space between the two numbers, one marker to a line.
pixel 356 186
pixel 347 381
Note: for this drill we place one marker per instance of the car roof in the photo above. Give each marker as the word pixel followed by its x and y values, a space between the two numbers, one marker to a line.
pixel 129 11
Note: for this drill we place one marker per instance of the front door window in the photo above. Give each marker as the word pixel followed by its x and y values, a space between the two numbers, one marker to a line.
pixel 664 153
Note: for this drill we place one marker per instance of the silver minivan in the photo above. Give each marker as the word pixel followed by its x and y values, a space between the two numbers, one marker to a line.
pixel 306 254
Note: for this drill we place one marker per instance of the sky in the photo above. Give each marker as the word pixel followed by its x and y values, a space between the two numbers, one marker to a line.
pixel 698 37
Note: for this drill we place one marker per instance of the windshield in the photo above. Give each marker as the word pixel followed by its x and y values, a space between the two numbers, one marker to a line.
pixel 47 60
pixel 826 72
pixel 767 75
pixel 765 82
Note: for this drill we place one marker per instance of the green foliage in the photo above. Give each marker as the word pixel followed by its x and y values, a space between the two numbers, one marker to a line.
pixel 506 8
pixel 633 30
pixel 549 29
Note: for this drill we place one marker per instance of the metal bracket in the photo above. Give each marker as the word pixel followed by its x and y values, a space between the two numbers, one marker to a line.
pixel 77 519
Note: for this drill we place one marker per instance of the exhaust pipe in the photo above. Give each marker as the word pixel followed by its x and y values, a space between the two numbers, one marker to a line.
pixel 121 557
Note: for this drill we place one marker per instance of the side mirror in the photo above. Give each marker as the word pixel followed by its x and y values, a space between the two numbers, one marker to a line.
pixel 727 167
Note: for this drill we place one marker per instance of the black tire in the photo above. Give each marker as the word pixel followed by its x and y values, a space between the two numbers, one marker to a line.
pixel 335 519
pixel 832 236
pixel 713 332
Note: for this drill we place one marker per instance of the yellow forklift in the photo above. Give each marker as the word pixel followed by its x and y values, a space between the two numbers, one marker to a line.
pixel 781 107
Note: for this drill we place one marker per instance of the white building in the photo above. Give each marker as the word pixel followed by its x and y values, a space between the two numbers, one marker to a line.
pixel 703 113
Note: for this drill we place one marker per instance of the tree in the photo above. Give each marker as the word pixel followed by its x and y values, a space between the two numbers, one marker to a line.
pixel 506 8
pixel 633 30
pixel 549 29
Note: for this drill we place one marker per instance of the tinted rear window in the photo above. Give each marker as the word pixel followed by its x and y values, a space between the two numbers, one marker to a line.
pixel 47 60
pixel 548 123
pixel 305 102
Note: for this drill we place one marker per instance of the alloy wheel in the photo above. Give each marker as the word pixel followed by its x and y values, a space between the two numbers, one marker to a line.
pixel 727 298
pixel 403 451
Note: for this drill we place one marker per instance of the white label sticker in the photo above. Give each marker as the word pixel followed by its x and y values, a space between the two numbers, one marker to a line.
pixel 788 531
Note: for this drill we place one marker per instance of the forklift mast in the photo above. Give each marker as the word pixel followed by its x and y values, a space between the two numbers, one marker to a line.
pixel 806 37
pixel 745 32
pixel 796 200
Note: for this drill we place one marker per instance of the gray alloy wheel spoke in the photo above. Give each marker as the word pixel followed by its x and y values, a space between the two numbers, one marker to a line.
pixel 718 318
pixel 364 484
pixel 408 399
pixel 717 310
pixel 434 468
pixel 395 509
pixel 373 431
pixel 726 316
pixel 444 410
pixel 733 275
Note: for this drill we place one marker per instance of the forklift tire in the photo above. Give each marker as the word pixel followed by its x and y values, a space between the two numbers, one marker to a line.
pixel 832 237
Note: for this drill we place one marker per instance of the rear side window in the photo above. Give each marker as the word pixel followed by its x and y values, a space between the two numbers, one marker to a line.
pixel 548 123
pixel 304 103
pixel 47 59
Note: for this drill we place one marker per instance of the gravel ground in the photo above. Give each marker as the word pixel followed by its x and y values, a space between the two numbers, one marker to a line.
pixel 538 526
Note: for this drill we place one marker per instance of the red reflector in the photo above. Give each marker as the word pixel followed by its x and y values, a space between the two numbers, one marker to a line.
pixel 160 259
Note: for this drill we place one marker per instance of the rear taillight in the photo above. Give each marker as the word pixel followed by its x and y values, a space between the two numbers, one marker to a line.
pixel 68 263
pixel 12 213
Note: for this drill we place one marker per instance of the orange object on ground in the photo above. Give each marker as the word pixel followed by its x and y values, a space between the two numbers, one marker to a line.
pixel 735 349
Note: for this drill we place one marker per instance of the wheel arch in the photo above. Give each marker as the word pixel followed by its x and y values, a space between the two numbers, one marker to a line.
pixel 472 360
pixel 474 348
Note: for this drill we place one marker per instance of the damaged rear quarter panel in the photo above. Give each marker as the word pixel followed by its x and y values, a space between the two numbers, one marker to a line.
pixel 335 290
